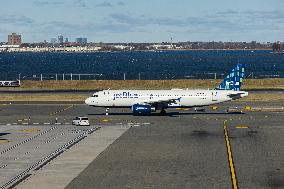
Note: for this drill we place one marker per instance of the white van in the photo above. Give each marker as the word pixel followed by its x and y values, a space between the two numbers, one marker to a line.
pixel 81 121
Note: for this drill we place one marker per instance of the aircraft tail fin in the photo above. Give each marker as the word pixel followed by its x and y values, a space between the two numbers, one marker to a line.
pixel 234 80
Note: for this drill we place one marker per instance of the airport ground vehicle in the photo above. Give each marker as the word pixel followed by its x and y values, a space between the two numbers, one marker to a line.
pixel 81 121
pixel 16 83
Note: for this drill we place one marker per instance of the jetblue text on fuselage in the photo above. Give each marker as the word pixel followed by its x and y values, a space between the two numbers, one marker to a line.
pixel 124 95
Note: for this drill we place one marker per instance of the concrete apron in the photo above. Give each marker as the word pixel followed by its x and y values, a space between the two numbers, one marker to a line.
pixel 62 170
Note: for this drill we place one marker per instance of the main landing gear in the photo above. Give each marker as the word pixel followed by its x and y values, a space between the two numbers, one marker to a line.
pixel 163 112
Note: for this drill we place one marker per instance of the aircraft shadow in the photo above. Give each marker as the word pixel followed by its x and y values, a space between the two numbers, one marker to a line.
pixel 170 114
pixel 3 134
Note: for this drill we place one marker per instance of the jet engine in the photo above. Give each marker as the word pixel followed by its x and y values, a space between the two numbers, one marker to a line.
pixel 141 109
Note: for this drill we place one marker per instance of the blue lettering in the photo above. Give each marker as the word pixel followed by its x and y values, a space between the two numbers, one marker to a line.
pixel 125 95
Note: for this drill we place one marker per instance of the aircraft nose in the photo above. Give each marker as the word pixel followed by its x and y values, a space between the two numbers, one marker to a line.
pixel 88 101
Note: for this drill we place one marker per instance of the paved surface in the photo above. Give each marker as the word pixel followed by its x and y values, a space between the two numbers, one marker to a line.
pixel 29 148
pixel 258 150
pixel 181 150
pixel 189 151
pixel 187 154
pixel 67 166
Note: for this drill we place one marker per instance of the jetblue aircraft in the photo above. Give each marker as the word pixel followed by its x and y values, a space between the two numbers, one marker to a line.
pixel 143 102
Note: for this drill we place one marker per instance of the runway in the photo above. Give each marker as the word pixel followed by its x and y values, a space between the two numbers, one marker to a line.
pixel 182 150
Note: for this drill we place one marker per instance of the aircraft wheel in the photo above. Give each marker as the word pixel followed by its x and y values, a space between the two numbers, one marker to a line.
pixel 163 112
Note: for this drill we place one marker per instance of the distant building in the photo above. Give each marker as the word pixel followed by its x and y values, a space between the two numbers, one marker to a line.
pixel 14 39
pixel 81 40
pixel 60 39
pixel 66 40
pixel 162 46
pixel 53 40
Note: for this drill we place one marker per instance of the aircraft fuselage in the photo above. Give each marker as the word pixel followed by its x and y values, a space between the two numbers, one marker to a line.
pixel 181 98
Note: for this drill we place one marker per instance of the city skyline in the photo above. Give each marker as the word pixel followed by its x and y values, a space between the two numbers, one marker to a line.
pixel 141 21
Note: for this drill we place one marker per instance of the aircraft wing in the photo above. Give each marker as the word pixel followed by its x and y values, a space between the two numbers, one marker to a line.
pixel 162 102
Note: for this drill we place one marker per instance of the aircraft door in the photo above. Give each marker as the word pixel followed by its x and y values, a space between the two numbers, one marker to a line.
pixel 214 95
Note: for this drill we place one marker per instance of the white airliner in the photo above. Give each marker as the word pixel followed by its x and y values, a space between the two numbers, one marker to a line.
pixel 143 102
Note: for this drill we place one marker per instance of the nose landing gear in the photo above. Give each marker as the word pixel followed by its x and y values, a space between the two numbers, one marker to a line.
pixel 107 109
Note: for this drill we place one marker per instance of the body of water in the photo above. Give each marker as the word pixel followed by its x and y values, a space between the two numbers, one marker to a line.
pixel 146 65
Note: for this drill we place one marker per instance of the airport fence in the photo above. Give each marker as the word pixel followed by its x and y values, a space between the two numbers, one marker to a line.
pixel 114 76
pixel 133 76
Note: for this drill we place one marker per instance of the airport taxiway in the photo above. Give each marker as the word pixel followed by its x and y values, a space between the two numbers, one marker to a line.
pixel 182 150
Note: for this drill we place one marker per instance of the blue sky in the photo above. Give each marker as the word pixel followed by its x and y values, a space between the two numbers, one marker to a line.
pixel 144 20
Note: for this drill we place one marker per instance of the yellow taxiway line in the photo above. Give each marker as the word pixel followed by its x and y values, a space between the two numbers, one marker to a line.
pixel 62 110
pixel 230 157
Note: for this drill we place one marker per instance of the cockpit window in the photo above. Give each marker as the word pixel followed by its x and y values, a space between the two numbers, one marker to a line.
pixel 95 95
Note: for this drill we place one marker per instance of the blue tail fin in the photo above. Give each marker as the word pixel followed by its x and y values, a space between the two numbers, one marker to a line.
pixel 234 80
